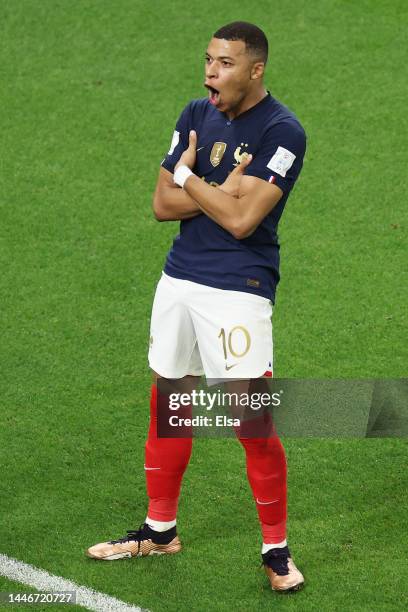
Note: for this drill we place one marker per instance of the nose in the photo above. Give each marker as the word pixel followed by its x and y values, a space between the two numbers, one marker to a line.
pixel 211 69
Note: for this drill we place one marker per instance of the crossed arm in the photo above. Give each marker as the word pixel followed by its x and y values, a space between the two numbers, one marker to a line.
pixel 238 205
pixel 170 202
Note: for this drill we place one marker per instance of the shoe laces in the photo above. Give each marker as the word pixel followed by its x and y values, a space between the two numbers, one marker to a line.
pixel 277 560
pixel 133 535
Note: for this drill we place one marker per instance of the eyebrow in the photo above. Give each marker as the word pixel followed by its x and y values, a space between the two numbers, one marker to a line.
pixel 221 57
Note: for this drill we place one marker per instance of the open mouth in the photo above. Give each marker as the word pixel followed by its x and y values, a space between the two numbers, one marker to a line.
pixel 213 95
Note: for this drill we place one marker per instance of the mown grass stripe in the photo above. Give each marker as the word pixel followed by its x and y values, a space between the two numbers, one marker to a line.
pixel 45 582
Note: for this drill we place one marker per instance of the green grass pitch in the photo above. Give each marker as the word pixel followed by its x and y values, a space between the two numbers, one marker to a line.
pixel 90 92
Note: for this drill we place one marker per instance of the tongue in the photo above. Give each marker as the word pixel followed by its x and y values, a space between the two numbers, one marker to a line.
pixel 214 98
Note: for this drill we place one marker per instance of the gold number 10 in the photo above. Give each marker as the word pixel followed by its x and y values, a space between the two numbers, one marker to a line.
pixel 229 341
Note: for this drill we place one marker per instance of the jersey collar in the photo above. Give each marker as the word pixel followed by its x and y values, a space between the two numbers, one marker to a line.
pixel 254 108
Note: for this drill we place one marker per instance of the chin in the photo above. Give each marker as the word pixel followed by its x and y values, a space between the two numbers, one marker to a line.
pixel 224 106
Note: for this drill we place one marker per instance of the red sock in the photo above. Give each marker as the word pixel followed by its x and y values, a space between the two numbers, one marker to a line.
pixel 266 470
pixel 166 460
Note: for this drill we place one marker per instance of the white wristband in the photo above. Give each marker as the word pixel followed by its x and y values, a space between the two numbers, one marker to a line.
pixel 181 175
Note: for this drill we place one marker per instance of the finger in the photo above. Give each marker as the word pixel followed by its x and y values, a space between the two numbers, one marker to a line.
pixel 244 163
pixel 246 160
pixel 192 139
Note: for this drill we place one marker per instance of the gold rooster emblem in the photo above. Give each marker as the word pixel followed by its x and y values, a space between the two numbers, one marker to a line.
pixel 240 155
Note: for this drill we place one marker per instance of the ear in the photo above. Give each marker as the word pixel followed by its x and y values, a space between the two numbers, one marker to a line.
pixel 257 70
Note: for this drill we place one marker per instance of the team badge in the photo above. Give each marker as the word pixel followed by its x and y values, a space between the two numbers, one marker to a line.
pixel 240 155
pixel 281 161
pixel 217 153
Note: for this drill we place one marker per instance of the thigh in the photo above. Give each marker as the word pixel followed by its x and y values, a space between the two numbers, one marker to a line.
pixel 234 332
pixel 173 351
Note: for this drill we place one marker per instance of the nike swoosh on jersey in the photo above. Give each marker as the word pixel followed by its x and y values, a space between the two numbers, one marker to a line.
pixel 227 367
pixel 266 503
pixel 197 150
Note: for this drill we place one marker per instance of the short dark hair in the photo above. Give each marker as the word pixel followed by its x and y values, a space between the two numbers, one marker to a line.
pixel 253 37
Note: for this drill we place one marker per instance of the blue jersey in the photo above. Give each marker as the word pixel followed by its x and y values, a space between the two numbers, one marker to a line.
pixel 206 253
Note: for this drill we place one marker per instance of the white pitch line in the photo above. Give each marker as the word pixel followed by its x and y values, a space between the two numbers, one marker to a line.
pixel 45 582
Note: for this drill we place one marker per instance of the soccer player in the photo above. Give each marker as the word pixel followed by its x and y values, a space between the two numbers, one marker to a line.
pixel 213 305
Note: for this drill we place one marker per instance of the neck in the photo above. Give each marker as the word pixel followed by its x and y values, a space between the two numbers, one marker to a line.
pixel 247 102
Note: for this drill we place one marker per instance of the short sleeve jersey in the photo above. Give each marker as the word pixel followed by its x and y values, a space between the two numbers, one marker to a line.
pixel 206 253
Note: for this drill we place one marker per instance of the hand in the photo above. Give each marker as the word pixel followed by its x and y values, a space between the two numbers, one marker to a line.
pixel 188 158
pixel 233 180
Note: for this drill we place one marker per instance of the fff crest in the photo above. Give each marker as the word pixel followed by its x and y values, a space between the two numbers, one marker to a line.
pixel 217 153
pixel 239 154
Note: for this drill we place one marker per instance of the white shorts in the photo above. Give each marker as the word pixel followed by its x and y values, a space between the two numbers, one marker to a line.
pixel 196 329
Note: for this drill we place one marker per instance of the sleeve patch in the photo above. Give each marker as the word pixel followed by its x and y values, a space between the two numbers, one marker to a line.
pixel 281 161
pixel 174 142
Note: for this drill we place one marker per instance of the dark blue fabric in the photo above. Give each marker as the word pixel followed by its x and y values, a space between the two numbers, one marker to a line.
pixel 204 252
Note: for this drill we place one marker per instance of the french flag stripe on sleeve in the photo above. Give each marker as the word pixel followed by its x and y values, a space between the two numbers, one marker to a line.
pixel 271 179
